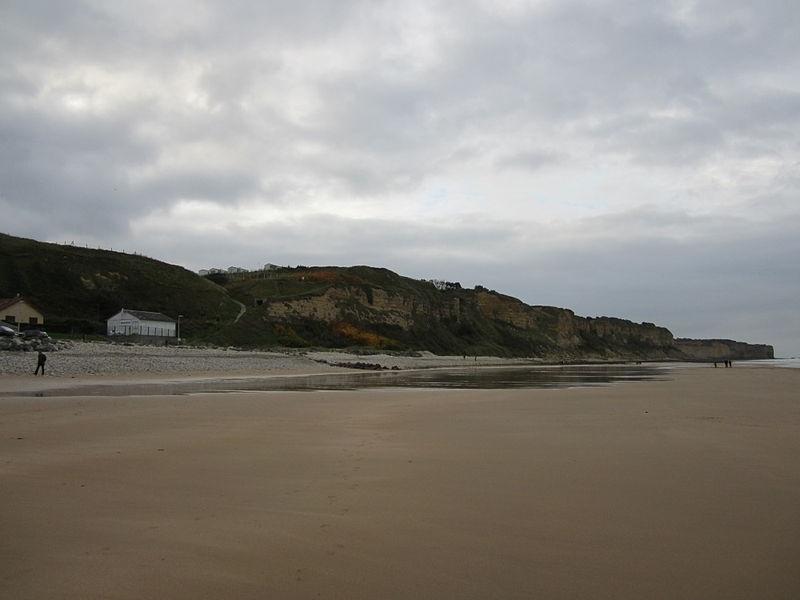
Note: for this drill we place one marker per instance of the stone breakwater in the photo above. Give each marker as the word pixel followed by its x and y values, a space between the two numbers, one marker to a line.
pixel 94 358
pixel 19 344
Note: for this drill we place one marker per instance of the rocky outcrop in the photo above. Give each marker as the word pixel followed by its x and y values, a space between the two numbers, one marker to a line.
pixel 708 350
pixel 375 306
pixel 569 331
pixel 362 306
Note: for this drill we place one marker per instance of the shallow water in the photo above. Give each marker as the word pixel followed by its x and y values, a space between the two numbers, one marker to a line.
pixel 468 378
pixel 787 363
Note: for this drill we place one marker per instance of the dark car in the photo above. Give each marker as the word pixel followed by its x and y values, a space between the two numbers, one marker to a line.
pixel 7 331
pixel 34 333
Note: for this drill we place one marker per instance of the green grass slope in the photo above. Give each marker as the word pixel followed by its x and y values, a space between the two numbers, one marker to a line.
pixel 339 307
pixel 256 328
pixel 77 288
pixel 347 313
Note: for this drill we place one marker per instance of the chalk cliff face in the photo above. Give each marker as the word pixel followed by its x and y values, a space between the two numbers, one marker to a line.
pixel 375 306
pixel 569 331
pixel 364 306
pixel 716 350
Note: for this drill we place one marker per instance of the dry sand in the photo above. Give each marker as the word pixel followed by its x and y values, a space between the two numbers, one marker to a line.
pixel 688 488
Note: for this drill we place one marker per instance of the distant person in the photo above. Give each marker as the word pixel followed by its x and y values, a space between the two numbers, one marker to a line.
pixel 715 364
pixel 40 360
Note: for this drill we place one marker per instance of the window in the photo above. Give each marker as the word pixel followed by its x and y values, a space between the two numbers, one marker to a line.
pixel 10 319
pixel 33 320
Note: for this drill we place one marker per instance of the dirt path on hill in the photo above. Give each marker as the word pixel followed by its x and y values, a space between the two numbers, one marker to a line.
pixel 242 310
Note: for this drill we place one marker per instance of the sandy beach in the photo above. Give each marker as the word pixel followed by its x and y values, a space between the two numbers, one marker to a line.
pixel 684 488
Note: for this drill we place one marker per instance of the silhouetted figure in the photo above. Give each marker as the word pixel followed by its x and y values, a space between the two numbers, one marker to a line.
pixel 40 360
pixel 715 365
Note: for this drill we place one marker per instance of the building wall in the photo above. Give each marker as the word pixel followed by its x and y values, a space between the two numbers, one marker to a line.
pixel 21 313
pixel 125 324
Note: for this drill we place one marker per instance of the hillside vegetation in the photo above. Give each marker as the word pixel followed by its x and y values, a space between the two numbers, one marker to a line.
pixel 79 288
pixel 365 306
pixel 376 308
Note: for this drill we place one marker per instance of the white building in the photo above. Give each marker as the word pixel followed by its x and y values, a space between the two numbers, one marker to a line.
pixel 140 322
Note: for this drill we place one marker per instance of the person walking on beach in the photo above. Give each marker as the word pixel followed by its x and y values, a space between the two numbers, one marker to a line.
pixel 40 360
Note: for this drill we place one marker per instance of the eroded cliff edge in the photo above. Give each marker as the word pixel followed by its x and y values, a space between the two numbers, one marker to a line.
pixel 364 306
pixel 714 350
pixel 78 288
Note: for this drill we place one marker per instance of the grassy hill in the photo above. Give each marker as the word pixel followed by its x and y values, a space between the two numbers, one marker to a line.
pixel 371 307
pixel 343 325
pixel 77 288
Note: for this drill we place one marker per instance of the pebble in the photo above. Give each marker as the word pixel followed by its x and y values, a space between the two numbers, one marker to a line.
pixel 97 358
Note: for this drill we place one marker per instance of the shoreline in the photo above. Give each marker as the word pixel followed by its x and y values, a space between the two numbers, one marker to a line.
pixel 29 385
pixel 85 364
pixel 97 359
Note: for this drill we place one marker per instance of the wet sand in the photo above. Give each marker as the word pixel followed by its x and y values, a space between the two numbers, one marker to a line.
pixel 687 488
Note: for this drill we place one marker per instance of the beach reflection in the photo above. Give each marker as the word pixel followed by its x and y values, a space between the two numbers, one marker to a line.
pixel 466 378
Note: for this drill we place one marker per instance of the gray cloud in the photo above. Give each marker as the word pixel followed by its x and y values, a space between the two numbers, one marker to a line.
pixel 529 160
pixel 730 278
pixel 634 158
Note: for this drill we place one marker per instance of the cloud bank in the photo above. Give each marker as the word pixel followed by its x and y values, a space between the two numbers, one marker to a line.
pixel 629 158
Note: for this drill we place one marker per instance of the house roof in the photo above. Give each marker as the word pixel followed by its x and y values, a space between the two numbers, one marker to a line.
pixel 6 302
pixel 146 315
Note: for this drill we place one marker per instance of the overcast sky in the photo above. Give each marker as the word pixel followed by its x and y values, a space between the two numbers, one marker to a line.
pixel 627 158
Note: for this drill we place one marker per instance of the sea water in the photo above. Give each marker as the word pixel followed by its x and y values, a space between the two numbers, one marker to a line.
pixel 516 377
pixel 790 363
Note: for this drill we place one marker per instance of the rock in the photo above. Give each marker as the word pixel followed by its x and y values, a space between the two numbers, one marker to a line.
pixel 360 365
pixel 43 344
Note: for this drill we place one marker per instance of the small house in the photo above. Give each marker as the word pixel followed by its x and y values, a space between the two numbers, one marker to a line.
pixel 141 322
pixel 18 311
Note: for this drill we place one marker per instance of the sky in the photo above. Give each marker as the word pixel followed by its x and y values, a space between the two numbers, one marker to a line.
pixel 616 157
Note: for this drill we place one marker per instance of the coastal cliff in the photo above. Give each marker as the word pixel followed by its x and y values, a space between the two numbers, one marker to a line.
pixel 364 306
pixel 717 350
pixel 78 288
